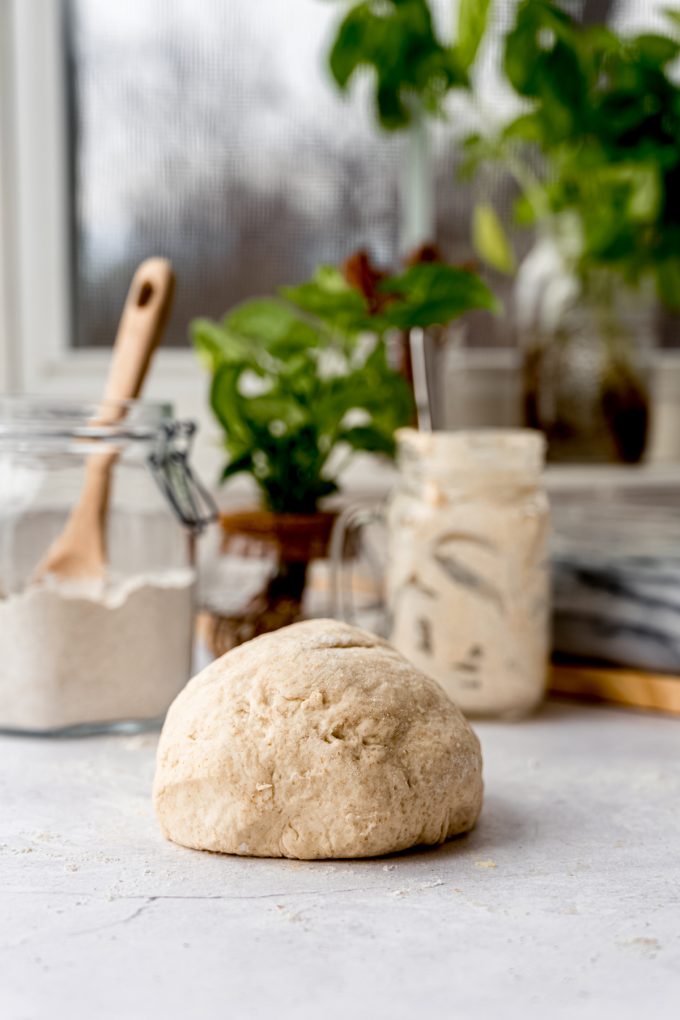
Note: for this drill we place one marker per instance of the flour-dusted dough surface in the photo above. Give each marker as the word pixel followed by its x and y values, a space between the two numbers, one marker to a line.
pixel 316 741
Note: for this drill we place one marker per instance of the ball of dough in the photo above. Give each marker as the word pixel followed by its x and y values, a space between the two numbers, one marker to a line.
pixel 316 741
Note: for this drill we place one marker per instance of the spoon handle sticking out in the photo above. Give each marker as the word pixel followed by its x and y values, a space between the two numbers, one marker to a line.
pixel 79 552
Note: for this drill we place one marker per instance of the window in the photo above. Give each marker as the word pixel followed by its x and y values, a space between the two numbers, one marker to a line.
pixel 207 131
pixel 211 133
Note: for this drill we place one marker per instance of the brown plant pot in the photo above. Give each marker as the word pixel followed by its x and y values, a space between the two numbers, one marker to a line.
pixel 293 541
pixel 298 538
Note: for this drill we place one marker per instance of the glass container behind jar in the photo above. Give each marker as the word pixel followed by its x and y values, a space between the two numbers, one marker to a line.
pixel 100 652
pixel 587 365
pixel 467 575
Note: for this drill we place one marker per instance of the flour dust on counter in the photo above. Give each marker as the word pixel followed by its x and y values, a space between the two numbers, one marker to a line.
pixel 94 652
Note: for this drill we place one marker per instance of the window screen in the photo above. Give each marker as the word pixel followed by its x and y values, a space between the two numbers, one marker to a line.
pixel 209 132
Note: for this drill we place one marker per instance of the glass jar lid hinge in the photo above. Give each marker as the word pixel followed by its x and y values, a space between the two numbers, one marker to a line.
pixel 190 501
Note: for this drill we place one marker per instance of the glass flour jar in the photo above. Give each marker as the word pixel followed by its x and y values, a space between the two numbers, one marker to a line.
pixel 467 574
pixel 102 652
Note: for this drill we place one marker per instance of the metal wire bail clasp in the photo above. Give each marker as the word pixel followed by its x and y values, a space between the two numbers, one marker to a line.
pixel 191 502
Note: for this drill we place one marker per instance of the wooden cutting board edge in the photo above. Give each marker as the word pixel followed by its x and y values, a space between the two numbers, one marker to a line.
pixel 658 692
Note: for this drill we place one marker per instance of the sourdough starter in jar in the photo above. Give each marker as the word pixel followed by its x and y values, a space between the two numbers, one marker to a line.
pixel 467 575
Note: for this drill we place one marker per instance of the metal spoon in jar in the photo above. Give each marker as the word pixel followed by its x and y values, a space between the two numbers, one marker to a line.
pixel 421 381
pixel 79 552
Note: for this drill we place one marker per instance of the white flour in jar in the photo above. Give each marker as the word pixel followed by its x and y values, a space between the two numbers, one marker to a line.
pixel 75 654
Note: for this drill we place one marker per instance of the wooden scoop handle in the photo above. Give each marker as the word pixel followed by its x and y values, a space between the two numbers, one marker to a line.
pixel 144 317
pixel 80 551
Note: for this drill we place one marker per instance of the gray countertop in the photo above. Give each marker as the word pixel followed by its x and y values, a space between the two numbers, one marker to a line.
pixel 564 902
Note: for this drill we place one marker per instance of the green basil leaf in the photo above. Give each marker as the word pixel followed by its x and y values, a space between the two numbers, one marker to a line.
pixel 224 401
pixel 397 41
pixel 352 46
pixel 213 343
pixel 366 438
pixel 432 293
pixel 657 49
pixel 472 20
pixel 490 240
pixel 237 465
pixel 268 322
pixel 330 297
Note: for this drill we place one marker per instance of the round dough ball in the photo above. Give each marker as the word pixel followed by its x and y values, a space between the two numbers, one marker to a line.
pixel 316 741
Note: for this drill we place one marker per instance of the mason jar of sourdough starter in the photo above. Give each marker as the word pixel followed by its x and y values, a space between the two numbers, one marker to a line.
pixel 112 648
pixel 454 570
pixel 467 579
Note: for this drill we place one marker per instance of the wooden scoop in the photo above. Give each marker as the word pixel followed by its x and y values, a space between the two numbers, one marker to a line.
pixel 79 553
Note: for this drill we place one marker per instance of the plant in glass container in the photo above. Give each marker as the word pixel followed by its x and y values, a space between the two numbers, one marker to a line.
pixel 413 69
pixel 596 155
pixel 300 383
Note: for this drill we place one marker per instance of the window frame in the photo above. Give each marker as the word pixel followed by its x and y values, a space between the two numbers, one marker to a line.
pixel 35 238
pixel 35 252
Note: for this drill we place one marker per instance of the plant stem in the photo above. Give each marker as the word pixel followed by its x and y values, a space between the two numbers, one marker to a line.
pixel 417 187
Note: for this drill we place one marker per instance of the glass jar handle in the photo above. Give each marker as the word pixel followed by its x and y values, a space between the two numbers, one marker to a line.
pixel 345 544
pixel 189 499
